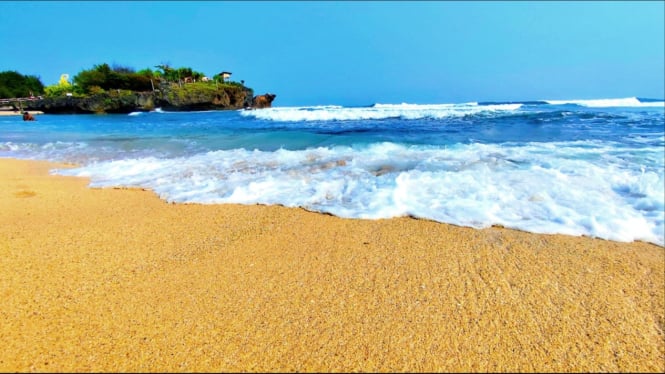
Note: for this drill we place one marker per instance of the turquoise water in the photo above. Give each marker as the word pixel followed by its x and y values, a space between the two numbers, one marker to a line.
pixel 577 167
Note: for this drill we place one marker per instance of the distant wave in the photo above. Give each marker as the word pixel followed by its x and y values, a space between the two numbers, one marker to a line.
pixel 531 102
pixel 409 111
pixel 607 103
pixel 647 100
pixel 376 112
pixel 592 103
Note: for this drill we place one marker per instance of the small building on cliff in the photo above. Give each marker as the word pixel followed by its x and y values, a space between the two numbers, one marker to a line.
pixel 225 75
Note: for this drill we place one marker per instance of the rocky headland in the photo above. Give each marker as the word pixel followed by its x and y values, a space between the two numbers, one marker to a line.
pixel 187 97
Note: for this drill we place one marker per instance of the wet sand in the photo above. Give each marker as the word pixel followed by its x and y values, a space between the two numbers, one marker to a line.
pixel 119 280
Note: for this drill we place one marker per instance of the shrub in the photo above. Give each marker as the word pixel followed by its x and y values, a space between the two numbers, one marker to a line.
pixel 14 84
pixel 118 77
pixel 94 90
pixel 58 90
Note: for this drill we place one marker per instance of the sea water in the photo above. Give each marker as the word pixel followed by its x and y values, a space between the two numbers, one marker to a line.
pixel 575 167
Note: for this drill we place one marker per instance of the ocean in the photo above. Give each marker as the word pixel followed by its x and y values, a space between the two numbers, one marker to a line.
pixel 574 167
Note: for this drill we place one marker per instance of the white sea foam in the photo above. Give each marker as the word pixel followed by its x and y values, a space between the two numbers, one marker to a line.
pixel 376 112
pixel 607 103
pixel 575 188
pixel 47 151
pixel 528 175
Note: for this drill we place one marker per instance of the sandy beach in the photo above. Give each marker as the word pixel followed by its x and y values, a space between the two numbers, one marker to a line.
pixel 104 280
pixel 12 113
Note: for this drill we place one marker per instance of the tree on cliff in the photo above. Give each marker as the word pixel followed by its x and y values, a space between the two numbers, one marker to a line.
pixel 13 84
pixel 177 74
pixel 104 77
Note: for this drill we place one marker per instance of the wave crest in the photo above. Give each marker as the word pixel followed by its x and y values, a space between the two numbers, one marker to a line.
pixel 377 112
pixel 607 103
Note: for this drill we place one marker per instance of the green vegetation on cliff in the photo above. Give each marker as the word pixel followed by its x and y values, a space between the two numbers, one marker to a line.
pixel 122 89
pixel 103 77
pixel 14 84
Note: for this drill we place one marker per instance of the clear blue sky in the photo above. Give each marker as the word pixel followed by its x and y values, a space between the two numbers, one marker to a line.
pixel 357 53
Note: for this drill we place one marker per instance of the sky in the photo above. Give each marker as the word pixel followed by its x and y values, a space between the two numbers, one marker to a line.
pixel 357 53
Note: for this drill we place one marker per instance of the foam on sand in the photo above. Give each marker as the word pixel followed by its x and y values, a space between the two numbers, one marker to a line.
pixel 117 280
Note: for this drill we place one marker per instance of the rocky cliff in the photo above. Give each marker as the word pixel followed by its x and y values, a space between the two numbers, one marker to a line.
pixel 117 102
pixel 174 98
pixel 203 97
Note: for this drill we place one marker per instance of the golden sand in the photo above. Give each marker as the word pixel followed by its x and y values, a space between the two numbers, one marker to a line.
pixel 18 114
pixel 119 280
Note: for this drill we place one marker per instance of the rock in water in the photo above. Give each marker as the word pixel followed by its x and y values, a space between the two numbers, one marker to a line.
pixel 263 101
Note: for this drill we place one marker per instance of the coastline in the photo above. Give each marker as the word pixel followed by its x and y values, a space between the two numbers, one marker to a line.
pixel 19 113
pixel 119 280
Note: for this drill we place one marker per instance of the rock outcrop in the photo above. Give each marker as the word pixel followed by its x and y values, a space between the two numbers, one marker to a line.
pixel 263 101
pixel 117 102
pixel 205 97
pixel 186 98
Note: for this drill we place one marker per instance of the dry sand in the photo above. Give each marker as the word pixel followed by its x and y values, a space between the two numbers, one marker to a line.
pixel 12 113
pixel 119 280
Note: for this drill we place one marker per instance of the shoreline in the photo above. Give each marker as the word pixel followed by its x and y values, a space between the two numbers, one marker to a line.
pixel 119 280
pixel 19 113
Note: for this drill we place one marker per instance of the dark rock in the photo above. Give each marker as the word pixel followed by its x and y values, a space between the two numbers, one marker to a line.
pixel 263 101
pixel 185 98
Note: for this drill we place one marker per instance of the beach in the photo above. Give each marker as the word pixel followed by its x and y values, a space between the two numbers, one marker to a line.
pixel 116 279
pixel 19 113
